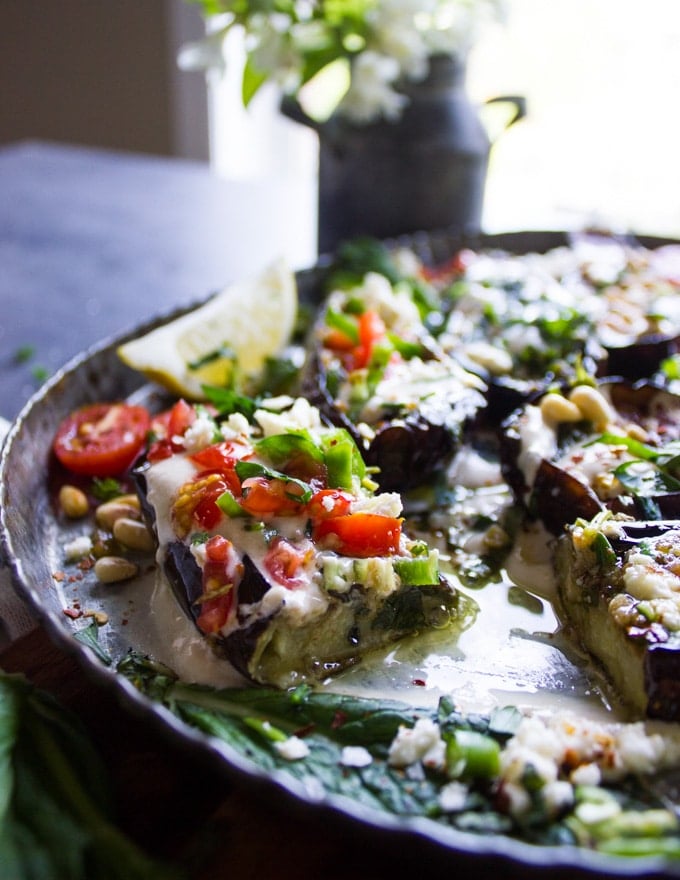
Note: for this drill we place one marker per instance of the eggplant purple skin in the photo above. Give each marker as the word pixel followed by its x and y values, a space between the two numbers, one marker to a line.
pixel 409 450
pixel 557 498
pixel 661 664
pixel 642 358
pixel 186 580
pixel 662 681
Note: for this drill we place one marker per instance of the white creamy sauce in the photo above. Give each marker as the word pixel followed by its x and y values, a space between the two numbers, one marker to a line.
pixel 471 469
pixel 538 441
pixel 303 604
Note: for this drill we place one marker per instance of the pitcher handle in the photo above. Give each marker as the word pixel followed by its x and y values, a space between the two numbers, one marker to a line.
pixel 518 101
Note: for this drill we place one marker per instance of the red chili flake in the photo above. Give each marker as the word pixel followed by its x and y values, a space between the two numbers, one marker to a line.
pixel 306 730
pixel 73 613
pixel 58 576
pixel 419 682
pixel 338 720
pixel 86 564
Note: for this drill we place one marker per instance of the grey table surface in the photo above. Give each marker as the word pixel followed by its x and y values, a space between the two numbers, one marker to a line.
pixel 93 242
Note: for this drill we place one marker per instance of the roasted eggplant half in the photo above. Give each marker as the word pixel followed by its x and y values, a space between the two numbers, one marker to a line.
pixel 610 445
pixel 619 596
pixel 526 321
pixel 277 545
pixel 375 369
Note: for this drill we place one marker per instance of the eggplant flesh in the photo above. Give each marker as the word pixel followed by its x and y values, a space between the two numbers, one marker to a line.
pixel 636 654
pixel 270 651
pixel 267 649
pixel 557 491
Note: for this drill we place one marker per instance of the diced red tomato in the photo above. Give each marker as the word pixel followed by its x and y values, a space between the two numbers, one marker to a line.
pixel 371 331
pixel 336 340
pixel 168 425
pixel 327 503
pixel 206 512
pixel 221 459
pixel 214 613
pixel 361 534
pixel 285 562
pixel 452 268
pixel 222 573
pixel 263 497
pixel 102 439
pixel 222 456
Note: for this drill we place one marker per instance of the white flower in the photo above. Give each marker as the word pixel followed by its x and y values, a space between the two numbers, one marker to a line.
pixel 393 41
pixel 371 94
pixel 203 55
pixel 273 52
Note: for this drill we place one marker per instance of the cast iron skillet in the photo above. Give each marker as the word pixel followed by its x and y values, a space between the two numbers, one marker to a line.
pixel 31 544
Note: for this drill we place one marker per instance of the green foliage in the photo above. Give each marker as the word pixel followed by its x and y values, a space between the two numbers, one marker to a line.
pixel 56 811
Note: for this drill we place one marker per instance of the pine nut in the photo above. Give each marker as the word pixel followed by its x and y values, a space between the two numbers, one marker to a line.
pixel 73 502
pixel 557 409
pixel 593 405
pixel 133 534
pixel 108 512
pixel 111 569
pixel 101 618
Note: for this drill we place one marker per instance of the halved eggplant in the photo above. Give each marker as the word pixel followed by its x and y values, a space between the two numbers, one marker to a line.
pixel 268 649
pixel 619 597
pixel 277 546
pixel 576 452
pixel 373 369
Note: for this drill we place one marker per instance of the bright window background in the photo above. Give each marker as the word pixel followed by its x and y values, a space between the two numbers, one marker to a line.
pixel 601 141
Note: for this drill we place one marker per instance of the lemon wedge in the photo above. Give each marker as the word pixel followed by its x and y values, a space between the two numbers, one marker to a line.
pixel 233 333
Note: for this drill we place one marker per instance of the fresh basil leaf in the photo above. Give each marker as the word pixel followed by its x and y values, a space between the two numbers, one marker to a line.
pixel 246 469
pixel 228 401
pixel 644 479
pixel 89 636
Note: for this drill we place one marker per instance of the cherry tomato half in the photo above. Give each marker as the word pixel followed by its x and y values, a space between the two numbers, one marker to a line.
pixel 361 534
pixel 102 439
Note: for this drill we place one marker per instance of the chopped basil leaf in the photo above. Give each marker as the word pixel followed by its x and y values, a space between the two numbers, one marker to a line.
pixel 228 401
pixel 246 469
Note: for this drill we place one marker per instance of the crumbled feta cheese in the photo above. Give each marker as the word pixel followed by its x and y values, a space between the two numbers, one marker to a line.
pixel 452 797
pixel 385 504
pixel 644 578
pixel 587 751
pixel 292 749
pixel 300 415
pixel 355 756
pixel 586 774
pixel 277 404
pixel 420 743
pixel 199 434
pixel 557 796
pixel 235 426
pixel 78 548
